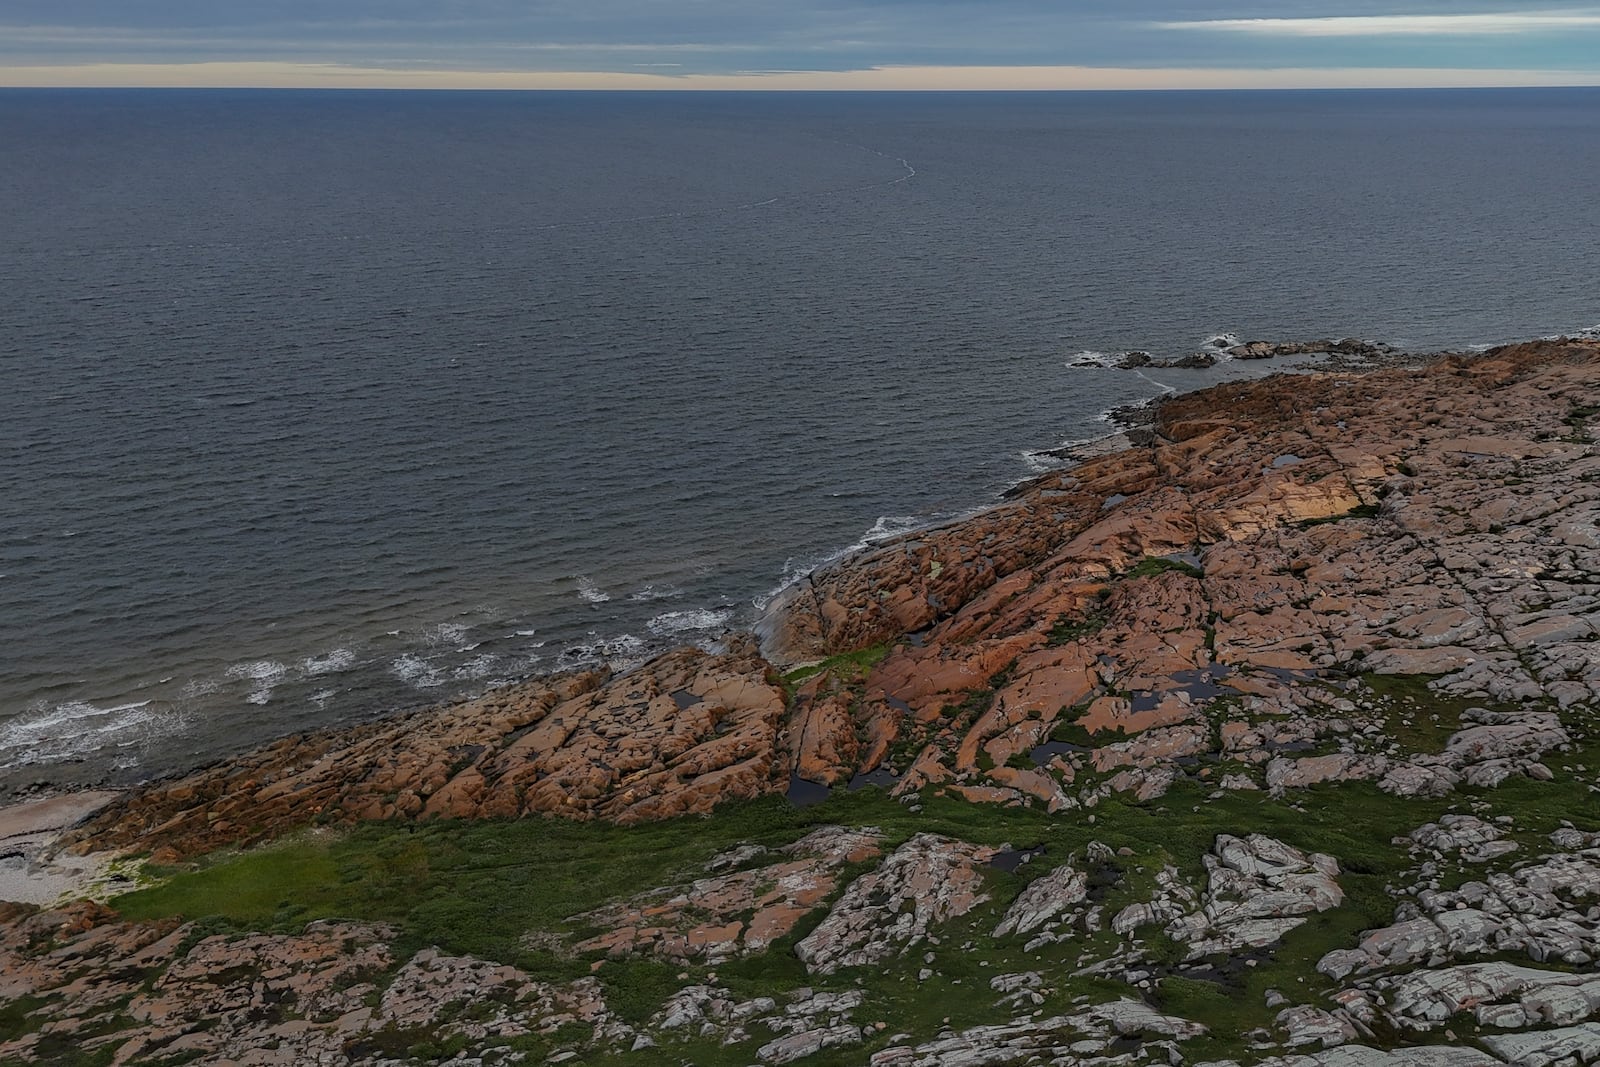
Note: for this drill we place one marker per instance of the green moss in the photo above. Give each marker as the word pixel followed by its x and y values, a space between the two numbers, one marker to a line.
pixel 300 874
pixel 847 666
pixel 1068 728
pixel 480 887
pixel 1419 719
pixel 1068 629
pixel 14 1017
pixel 1151 566
pixel 1360 511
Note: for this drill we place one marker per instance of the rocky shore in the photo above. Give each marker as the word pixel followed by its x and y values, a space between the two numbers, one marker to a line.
pixel 1268 739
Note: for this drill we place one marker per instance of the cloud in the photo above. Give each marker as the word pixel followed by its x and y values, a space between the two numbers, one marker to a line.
pixel 734 37
pixel 1492 25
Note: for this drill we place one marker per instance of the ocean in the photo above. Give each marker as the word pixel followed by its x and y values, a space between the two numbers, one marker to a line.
pixel 316 405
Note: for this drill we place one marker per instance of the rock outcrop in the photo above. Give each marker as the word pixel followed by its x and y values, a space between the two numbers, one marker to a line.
pixel 926 881
pixel 1216 595
pixel 1225 594
pixel 727 915
pixel 1258 890
pixel 680 735
pixel 1379 591
pixel 154 993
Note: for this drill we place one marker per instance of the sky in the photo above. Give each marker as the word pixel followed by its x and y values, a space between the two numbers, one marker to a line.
pixel 800 44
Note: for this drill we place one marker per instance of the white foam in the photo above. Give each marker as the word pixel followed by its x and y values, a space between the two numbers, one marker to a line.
pixel 889 526
pixel 340 659
pixel 1221 342
pixel 1165 389
pixel 260 670
pixel 76 728
pixel 656 592
pixel 591 593
pixel 264 673
pixel 44 723
pixel 1588 333
pixel 445 633
pixel 620 652
pixel 415 671
pixel 1044 460
pixel 1092 358
pixel 678 622
pixel 476 668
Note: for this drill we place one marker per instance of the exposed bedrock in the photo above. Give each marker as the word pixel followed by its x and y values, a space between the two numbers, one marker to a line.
pixel 1226 603
pixel 679 735
pixel 1223 604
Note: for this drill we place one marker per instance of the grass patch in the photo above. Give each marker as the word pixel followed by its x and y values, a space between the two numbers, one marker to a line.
pixel 479 887
pixel 846 666
pixel 1419 719
pixel 1360 511
pixel 1151 566
pixel 14 1021
pixel 298 875
pixel 1068 629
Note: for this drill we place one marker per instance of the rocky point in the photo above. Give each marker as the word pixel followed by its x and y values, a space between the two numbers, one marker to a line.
pixel 1269 739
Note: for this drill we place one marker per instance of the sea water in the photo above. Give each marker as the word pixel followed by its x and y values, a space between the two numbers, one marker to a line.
pixel 315 405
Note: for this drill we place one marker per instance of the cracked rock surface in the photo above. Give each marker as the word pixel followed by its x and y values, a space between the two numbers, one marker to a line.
pixel 1271 741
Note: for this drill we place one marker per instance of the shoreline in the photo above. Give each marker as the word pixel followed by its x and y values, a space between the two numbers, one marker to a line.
pixel 747 738
pixel 1128 427
pixel 1269 733
pixel 1101 448
pixel 50 781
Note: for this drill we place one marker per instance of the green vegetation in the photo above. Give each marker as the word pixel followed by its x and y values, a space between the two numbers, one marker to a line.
pixel 1419 719
pixel 847 666
pixel 1068 629
pixel 1068 728
pixel 1151 566
pixel 1360 511
pixel 483 887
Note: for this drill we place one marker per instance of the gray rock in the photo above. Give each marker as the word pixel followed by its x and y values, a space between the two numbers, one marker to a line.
pixel 1575 1044
pixel 926 881
pixel 1045 900
pixel 1258 890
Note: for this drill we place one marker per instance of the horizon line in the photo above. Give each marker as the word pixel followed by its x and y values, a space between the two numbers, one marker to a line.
pixel 275 75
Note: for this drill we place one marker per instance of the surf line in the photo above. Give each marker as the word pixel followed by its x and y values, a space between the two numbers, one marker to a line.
pixel 1165 389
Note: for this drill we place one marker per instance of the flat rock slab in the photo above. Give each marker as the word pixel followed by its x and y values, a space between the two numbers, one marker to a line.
pixel 29 830
pixel 33 817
